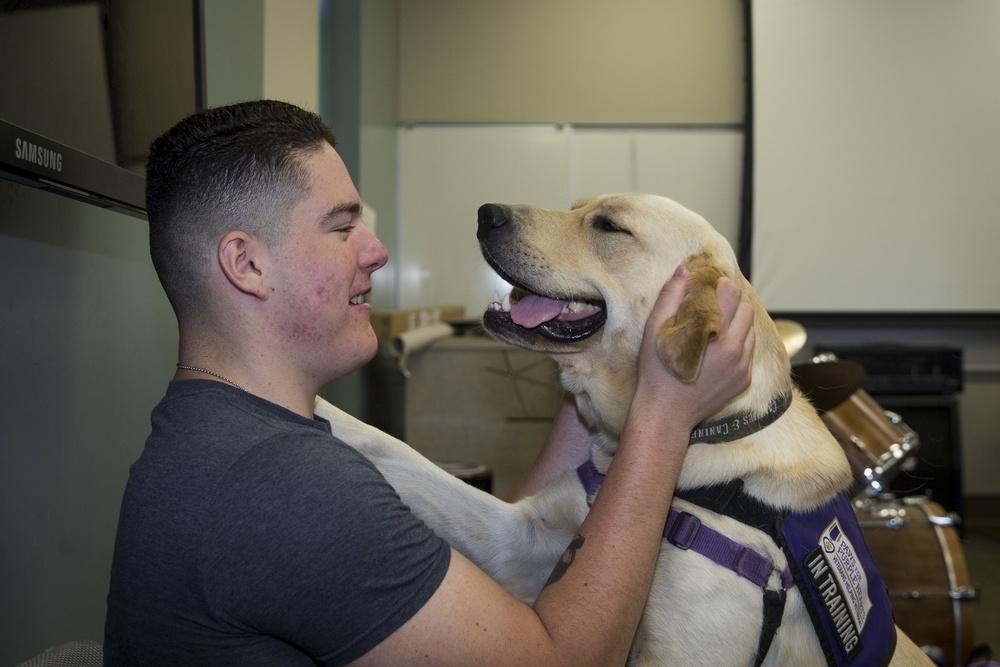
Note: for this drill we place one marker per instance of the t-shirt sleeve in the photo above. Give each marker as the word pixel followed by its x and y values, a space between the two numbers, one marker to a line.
pixel 313 546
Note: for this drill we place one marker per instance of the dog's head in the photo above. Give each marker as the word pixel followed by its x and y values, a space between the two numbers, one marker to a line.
pixel 585 280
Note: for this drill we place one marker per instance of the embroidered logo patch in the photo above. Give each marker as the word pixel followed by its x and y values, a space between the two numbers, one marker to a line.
pixel 839 577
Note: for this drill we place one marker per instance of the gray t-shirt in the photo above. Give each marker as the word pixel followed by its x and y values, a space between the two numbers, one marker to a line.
pixel 249 535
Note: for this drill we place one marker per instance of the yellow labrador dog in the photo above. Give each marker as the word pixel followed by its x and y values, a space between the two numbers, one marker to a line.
pixel 762 561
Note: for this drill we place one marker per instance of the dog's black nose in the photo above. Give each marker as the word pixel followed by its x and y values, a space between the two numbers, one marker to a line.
pixel 493 215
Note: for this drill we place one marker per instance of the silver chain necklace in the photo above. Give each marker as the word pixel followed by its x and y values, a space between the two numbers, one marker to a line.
pixel 208 372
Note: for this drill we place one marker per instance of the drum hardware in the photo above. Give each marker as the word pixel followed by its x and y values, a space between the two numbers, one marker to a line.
pixel 960 593
pixel 888 511
pixel 966 593
pixel 889 462
pixel 949 520
pixel 827 357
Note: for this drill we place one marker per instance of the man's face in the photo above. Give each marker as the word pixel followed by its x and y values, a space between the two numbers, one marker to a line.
pixel 322 272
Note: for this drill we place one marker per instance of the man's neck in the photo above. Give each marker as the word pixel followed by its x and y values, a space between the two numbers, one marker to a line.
pixel 261 373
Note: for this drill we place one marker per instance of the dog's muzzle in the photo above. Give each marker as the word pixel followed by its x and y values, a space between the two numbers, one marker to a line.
pixel 529 317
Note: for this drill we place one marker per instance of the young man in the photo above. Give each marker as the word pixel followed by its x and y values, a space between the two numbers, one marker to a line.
pixel 249 535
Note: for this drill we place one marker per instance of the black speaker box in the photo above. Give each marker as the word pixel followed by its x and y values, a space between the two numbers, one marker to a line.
pixel 905 369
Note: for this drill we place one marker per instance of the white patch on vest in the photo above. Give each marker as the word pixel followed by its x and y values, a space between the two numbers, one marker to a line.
pixel 846 568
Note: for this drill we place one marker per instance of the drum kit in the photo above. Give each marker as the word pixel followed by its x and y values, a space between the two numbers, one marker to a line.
pixel 913 539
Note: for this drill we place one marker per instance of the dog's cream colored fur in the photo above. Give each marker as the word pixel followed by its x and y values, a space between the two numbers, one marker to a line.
pixel 618 250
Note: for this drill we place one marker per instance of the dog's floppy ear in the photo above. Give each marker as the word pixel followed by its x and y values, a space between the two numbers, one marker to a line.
pixel 682 339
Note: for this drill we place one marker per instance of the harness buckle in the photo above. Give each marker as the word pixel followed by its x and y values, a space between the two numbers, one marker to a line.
pixel 690 524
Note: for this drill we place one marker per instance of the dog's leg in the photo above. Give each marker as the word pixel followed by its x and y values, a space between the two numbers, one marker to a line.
pixel 517 544
pixel 908 654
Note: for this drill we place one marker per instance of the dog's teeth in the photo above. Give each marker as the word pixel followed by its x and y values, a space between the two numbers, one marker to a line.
pixel 499 305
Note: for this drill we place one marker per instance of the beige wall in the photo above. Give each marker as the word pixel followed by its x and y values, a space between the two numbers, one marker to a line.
pixel 573 61
pixel 291 51
pixel 547 102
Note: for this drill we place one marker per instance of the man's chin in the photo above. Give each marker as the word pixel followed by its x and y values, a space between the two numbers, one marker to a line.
pixel 368 348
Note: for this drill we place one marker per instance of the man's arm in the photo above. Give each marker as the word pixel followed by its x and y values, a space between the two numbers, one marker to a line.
pixel 589 613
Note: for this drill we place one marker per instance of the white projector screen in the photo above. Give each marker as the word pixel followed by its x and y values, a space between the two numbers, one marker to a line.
pixel 876 156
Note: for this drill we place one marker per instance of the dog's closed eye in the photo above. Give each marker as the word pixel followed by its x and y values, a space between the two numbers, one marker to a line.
pixel 604 223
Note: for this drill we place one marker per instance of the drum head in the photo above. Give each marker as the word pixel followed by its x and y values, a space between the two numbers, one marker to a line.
pixel 827 384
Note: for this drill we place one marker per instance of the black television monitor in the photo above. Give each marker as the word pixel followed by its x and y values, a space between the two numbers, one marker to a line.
pixel 86 86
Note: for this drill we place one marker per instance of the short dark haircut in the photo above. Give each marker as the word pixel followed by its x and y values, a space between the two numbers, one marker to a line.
pixel 225 168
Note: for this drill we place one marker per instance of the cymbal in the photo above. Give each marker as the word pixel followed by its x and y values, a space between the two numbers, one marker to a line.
pixel 792 334
pixel 828 383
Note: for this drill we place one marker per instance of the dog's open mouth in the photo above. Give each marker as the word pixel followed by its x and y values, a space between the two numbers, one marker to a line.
pixel 560 320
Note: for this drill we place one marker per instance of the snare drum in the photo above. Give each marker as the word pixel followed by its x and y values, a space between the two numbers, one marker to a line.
pixel 875 440
pixel 921 561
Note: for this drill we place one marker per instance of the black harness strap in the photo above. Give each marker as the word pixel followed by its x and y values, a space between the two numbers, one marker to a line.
pixel 774 609
pixel 730 500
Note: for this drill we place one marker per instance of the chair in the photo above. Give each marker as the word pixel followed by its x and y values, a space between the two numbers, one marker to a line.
pixel 85 653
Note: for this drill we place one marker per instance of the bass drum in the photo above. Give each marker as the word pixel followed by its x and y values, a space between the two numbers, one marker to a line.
pixel 919 555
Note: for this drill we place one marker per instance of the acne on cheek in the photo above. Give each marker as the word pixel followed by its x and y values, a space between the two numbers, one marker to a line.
pixel 322 290
pixel 326 292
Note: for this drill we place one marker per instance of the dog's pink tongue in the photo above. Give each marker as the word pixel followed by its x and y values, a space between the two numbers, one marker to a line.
pixel 532 310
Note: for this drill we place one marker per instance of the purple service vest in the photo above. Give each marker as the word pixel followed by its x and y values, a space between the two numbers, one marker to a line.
pixel 841 585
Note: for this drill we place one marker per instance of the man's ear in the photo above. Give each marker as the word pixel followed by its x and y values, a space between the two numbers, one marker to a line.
pixel 243 259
